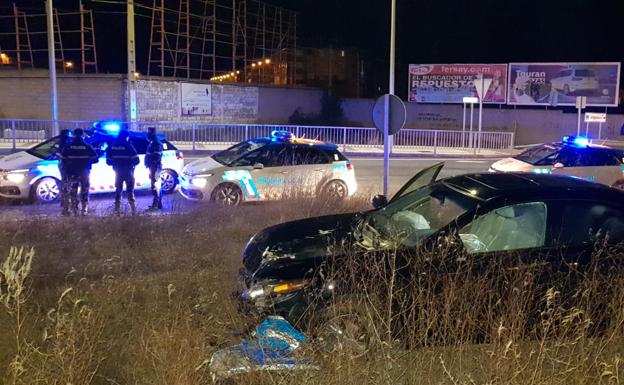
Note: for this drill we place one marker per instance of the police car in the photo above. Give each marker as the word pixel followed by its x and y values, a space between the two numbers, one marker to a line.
pixel 269 168
pixel 574 156
pixel 34 173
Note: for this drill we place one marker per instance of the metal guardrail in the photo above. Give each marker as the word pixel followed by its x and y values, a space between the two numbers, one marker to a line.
pixel 21 131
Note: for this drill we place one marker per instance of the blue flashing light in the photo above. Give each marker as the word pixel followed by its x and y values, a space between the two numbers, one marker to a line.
pixel 579 141
pixel 112 127
pixel 281 135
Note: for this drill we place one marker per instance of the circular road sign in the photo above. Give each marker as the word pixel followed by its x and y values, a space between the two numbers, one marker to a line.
pixel 398 113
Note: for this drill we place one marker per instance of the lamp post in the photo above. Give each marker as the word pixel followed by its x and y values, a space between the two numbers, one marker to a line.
pixel 52 65
pixel 388 138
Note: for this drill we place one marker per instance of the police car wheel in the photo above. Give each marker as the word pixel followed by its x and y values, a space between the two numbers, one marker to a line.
pixel 169 181
pixel 227 194
pixel 46 190
pixel 336 190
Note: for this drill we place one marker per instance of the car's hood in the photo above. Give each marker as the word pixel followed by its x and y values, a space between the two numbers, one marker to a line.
pixel 201 166
pixel 290 242
pixel 511 165
pixel 19 161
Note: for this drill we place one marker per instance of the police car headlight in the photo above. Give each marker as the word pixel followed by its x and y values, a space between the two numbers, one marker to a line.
pixel 16 176
pixel 199 182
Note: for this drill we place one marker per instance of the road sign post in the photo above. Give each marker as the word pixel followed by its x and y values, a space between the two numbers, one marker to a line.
pixel 581 103
pixel 482 85
pixel 468 100
pixel 389 116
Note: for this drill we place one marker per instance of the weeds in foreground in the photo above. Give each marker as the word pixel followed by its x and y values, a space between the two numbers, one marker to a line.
pixel 148 300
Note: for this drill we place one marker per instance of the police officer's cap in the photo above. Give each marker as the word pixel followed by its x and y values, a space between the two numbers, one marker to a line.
pixel 65 132
pixel 78 132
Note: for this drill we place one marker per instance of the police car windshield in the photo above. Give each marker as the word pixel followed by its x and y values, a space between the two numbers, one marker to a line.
pixel 46 149
pixel 535 154
pixel 226 157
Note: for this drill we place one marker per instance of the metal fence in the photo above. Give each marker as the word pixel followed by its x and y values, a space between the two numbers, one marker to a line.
pixel 18 132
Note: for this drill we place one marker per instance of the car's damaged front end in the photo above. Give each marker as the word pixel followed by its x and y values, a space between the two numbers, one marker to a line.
pixel 282 266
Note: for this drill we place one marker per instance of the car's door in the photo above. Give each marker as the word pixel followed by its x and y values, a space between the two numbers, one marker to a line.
pixel 313 167
pixel 510 246
pixel 254 172
pixel 424 178
pixel 583 225
pixel 595 165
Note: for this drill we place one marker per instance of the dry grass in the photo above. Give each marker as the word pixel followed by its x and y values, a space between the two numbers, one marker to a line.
pixel 147 301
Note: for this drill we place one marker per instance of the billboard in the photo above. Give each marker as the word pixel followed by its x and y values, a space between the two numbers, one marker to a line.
pixel 450 83
pixel 553 84
pixel 195 99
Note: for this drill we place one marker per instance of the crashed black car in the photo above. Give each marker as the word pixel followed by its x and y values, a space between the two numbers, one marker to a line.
pixel 489 214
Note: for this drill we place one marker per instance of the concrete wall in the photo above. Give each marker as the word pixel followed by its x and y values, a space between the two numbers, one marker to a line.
pixel 278 104
pixel 26 95
pixel 530 126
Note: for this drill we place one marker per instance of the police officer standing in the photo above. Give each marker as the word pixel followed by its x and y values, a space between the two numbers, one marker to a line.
pixel 123 157
pixel 153 161
pixel 64 141
pixel 78 157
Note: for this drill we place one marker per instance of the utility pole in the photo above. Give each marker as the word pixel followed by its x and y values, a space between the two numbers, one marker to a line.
pixel 388 138
pixel 52 64
pixel 132 74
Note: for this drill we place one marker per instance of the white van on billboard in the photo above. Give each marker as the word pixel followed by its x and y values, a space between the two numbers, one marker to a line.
pixel 561 83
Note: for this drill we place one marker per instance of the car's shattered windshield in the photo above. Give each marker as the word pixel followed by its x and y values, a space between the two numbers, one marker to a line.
pixel 228 156
pixel 413 217
pixel 535 154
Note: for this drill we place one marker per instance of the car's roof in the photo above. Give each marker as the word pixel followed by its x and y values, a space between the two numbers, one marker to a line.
pixel 488 186
pixel 299 141
pixel 590 145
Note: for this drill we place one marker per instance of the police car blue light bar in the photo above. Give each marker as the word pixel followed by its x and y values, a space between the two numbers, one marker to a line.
pixel 579 141
pixel 281 135
pixel 112 127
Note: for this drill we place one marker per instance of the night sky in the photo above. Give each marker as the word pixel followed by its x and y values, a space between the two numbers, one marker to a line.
pixel 429 31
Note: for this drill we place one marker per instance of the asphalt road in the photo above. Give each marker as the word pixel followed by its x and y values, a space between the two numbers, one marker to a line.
pixel 369 174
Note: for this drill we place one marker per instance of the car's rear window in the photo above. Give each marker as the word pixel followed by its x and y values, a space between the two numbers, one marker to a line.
pixel 335 155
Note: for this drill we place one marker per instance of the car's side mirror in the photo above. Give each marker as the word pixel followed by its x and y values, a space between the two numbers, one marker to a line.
pixel 379 201
pixel 559 165
pixel 258 166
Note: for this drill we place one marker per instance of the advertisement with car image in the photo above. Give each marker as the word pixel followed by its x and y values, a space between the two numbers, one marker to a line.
pixel 561 83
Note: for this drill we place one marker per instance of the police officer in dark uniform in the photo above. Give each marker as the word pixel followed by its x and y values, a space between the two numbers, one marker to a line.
pixel 77 158
pixel 153 161
pixel 123 157
pixel 64 141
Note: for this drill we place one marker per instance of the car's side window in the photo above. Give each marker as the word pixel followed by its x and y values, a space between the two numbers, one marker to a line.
pixel 569 156
pixel 588 222
pixel 596 158
pixel 305 155
pixel 515 227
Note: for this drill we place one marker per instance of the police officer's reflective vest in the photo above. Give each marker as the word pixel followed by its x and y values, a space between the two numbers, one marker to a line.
pixel 122 155
pixel 78 156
